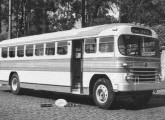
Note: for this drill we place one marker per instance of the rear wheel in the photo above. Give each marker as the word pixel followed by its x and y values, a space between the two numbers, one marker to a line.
pixel 142 98
pixel 15 84
pixel 103 93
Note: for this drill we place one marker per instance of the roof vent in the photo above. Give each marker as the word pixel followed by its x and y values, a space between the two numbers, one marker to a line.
pixel 114 29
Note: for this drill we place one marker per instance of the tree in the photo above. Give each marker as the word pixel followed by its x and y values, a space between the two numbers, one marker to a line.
pixel 4 13
pixel 83 5
pixel 148 12
pixel 160 30
pixel 40 16
pixel 30 17
pixel 97 12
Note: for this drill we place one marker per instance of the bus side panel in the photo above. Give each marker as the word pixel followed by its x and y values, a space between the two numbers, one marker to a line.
pixel 115 78
pixel 108 66
pixel 45 77
pixel 4 75
pixel 40 71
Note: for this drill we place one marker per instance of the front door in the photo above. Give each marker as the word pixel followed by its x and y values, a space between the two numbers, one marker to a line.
pixel 76 66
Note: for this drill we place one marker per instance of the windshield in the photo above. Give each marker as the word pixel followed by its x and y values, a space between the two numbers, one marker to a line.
pixel 132 45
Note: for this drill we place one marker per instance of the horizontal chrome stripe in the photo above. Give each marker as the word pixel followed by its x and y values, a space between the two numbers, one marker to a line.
pixel 109 70
pixel 108 64
pixel 124 59
pixel 115 65
pixel 37 65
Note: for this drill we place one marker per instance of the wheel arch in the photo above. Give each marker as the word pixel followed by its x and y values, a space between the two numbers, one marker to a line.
pixel 13 72
pixel 94 79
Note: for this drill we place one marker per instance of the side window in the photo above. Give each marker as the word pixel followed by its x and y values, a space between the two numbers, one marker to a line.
pixel 29 50
pixel 90 45
pixel 4 53
pixel 39 50
pixel 11 52
pixel 62 48
pixel 50 48
pixel 20 51
pixel 106 44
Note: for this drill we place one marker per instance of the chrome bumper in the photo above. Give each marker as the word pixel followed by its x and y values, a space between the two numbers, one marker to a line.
pixel 140 86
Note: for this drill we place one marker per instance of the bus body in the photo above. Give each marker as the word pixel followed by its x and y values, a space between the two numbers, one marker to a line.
pixel 100 61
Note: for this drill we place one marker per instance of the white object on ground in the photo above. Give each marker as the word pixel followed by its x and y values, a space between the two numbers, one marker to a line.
pixel 61 103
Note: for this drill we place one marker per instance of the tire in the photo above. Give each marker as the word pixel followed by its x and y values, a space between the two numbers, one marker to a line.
pixel 142 98
pixel 15 84
pixel 103 94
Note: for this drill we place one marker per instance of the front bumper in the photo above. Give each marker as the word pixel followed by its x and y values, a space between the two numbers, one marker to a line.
pixel 141 86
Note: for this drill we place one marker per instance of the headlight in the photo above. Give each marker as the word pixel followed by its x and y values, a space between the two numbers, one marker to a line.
pixel 129 77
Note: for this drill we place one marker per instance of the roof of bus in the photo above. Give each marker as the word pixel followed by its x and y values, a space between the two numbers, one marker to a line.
pixel 65 35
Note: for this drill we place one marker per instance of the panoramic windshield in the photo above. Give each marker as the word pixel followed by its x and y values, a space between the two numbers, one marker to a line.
pixel 132 45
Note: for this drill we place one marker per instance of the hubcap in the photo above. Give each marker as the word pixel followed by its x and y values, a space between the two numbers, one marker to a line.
pixel 14 84
pixel 102 93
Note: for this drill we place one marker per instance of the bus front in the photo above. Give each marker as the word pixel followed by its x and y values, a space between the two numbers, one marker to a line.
pixel 139 57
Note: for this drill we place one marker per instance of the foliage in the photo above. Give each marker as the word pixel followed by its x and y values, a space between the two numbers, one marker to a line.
pixel 32 17
pixel 149 12
pixel 160 29
pixel 64 17
pixel 97 12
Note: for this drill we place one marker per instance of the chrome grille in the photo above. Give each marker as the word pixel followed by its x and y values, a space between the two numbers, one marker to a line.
pixel 144 74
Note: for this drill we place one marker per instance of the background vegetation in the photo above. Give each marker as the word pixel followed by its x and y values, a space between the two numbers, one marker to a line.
pixel 31 17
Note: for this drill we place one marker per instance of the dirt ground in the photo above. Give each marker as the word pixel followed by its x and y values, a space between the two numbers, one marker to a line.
pixel 28 107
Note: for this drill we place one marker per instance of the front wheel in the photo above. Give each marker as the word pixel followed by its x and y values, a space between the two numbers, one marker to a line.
pixel 15 84
pixel 103 93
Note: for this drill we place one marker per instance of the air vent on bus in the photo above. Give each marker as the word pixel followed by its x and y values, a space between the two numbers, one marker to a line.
pixel 143 74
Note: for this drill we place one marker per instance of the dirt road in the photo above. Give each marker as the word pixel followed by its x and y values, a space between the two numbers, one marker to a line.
pixel 27 107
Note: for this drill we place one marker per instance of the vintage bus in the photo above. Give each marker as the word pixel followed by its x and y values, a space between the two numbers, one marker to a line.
pixel 102 61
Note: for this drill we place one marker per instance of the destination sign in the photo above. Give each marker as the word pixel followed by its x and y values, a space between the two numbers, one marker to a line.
pixel 141 31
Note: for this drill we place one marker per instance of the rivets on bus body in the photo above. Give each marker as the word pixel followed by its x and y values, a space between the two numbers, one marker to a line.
pixel 125 65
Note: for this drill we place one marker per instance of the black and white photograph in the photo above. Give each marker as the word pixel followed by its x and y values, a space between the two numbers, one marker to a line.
pixel 82 59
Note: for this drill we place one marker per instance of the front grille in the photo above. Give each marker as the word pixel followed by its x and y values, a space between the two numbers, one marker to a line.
pixel 144 74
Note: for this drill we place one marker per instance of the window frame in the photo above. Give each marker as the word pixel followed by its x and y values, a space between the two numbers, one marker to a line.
pixel 7 52
pixel 21 50
pixel 139 46
pixel 31 48
pixel 40 48
pixel 96 46
pixel 62 46
pixel 12 52
pixel 110 42
pixel 46 48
